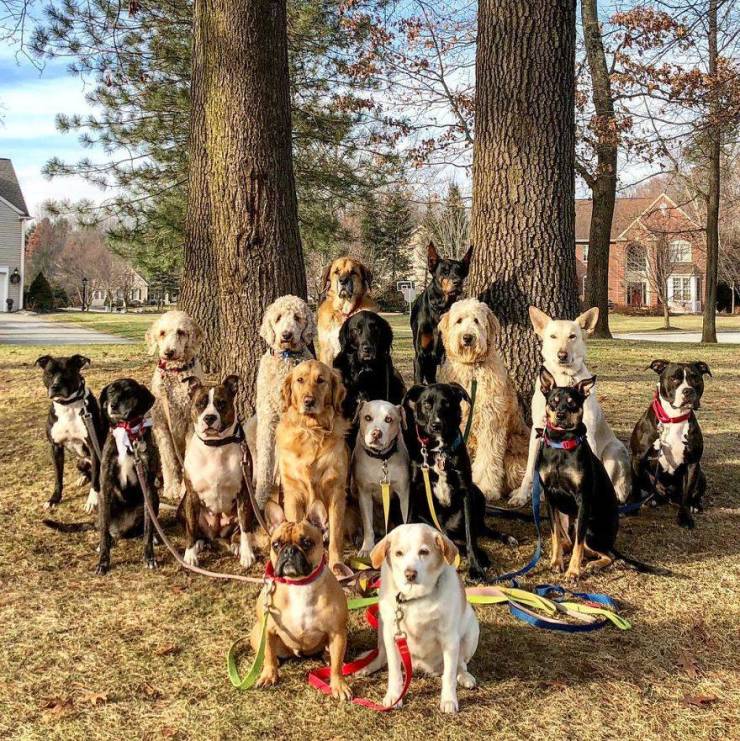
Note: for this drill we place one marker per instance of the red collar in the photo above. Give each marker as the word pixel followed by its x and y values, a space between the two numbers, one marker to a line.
pixel 165 367
pixel 663 416
pixel 570 444
pixel 134 428
pixel 313 576
pixel 423 441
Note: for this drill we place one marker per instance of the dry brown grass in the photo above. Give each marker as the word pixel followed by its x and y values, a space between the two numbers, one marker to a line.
pixel 137 654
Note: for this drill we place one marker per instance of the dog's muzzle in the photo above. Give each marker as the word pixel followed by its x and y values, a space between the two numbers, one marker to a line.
pixel 366 352
pixel 346 287
pixel 292 562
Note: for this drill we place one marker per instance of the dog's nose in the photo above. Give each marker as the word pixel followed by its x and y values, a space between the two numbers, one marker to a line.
pixel 169 353
pixel 376 434
pixel 435 426
pixel 467 339
pixel 287 336
pixel 308 401
pixel 562 355
pixel 210 419
pixel 410 575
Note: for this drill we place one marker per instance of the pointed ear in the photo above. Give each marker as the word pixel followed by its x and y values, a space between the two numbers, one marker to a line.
pixel 587 320
pixel 446 547
pixel 402 415
pixel 43 361
pixel 460 392
pixel 317 515
pixel 274 515
pixel 547 381
pixel 378 554
pixel 539 320
pixel 658 365
pixel 80 361
pixel 586 385
pixel 286 393
pixel 444 324
pixel 325 275
pixel 231 384
pixel 467 257
pixel 702 367
pixel 432 257
pixel 194 383
pixel 338 392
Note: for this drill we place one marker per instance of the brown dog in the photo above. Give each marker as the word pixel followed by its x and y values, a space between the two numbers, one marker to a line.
pixel 347 283
pixel 307 607
pixel 311 448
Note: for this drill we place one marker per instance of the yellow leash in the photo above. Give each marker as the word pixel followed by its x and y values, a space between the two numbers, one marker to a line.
pixel 430 502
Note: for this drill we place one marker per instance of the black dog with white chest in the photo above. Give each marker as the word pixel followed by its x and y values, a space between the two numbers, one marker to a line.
pixel 433 438
pixel 71 401
pixel 667 444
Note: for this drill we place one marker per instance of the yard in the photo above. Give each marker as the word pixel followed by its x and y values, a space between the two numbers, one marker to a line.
pixel 137 654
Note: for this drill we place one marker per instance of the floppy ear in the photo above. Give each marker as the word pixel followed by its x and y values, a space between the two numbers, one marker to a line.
pixel 587 320
pixel 358 411
pixel 460 392
pixel 325 278
pixel 494 325
pixel 447 548
pixel 195 337
pixel 274 515
pixel 432 257
pixel 194 383
pixel 317 515
pixel 380 551
pixel 267 332
pixel 103 404
pixel 344 334
pixel 402 415
pixel 586 385
pixel 80 361
pixel 43 361
pixel 386 334
pixel 467 257
pixel 231 384
pixel 367 276
pixel 547 381
pixel 444 324
pixel 539 320
pixel 286 392
pixel 658 365
pixel 309 331
pixel 702 367
pixel 151 338
pixel 145 399
pixel 338 392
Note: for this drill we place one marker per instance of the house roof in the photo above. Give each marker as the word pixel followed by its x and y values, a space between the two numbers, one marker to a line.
pixel 626 210
pixel 10 190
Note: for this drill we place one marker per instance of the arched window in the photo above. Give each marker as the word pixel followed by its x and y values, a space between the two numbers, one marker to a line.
pixel 635 260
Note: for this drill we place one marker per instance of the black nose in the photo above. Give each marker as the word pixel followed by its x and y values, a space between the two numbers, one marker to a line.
pixel 410 574
pixel 210 419
pixel 308 401
pixel 562 355
pixel 169 353
pixel 467 339
pixel 287 335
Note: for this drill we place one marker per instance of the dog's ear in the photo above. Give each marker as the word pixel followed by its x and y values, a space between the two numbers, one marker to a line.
pixel 325 278
pixel 286 392
pixel 539 320
pixel 586 385
pixel 195 337
pixel 80 361
pixel 367 276
pixel 318 516
pixel 343 336
pixel 658 365
pixel 309 331
pixel 547 381
pixel 702 367
pixel 444 324
pixel 494 325
pixel 274 515
pixel 358 412
pixel 267 331
pixel 402 415
pixel 386 335
pixel 432 257
pixel 151 337
pixel 587 320
pixel 194 383
pixel 231 384
pixel 378 554
pixel 467 257
pixel 446 547
pixel 43 361
pixel 103 404
pixel 413 394
pixel 144 399
pixel 338 392
pixel 460 392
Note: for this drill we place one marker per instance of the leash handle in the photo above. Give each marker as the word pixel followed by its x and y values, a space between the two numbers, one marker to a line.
pixel 249 679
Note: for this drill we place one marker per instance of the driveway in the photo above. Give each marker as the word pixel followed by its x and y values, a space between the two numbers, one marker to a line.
pixel 722 337
pixel 20 328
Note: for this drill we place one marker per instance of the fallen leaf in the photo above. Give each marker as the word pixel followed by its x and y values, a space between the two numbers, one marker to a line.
pixel 167 650
pixel 58 706
pixel 700 701
pixel 168 732
pixel 151 692
pixel 555 684
pixel 94 698
pixel 688 664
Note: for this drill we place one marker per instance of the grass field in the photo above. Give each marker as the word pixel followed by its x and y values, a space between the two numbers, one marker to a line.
pixel 142 655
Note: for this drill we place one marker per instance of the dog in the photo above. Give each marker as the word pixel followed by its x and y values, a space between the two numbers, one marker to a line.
pixel 365 362
pixel 307 607
pixel 216 503
pixel 564 354
pixel 347 283
pixel 65 426
pixel 422 595
pixel 499 439
pixel 580 496
pixel 380 454
pixel 176 339
pixel 667 443
pixel 444 288
pixel 459 504
pixel 125 404
pixel 288 328
pixel 311 450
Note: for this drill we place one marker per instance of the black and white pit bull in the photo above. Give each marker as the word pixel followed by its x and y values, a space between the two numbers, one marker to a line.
pixel 667 443
pixel 65 427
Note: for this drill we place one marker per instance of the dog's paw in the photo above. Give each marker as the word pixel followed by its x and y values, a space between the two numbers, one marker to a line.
pixel 448 705
pixel 572 574
pixel 102 568
pixel 519 497
pixel 556 565
pixel 467 680
pixel 92 501
pixel 511 541
pixel 365 550
pixel 685 519
pixel 268 678
pixel 246 557
pixel 191 555
pixel 340 690
pixel 151 563
pixel 390 699
pixel 51 503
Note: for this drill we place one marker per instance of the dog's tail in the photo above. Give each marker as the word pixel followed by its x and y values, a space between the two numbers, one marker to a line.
pixel 635 565
pixel 498 535
pixel 509 513
pixel 69 527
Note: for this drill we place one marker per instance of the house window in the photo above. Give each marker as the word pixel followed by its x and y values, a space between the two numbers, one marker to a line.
pixel 97 295
pixel 681 289
pixel 635 260
pixel 680 251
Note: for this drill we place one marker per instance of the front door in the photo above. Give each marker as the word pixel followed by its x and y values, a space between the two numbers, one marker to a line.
pixel 636 294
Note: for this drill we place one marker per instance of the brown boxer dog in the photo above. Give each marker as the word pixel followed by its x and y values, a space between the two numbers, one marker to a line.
pixel 307 607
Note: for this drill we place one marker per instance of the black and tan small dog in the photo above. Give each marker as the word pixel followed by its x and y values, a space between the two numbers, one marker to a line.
pixel 444 288
pixel 667 444
pixel 580 496
pixel 65 427
pixel 216 503
pixel 433 437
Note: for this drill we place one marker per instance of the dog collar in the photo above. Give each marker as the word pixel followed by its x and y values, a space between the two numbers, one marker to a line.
pixel 302 581
pixel 76 396
pixel 424 441
pixel 217 442
pixel 382 455
pixel 128 432
pixel 663 416
pixel 287 354
pixel 570 444
pixel 165 367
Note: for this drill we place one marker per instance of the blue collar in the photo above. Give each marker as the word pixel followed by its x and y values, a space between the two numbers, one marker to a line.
pixel 288 354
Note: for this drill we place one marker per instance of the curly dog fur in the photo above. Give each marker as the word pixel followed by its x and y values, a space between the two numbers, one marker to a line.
pixel 499 438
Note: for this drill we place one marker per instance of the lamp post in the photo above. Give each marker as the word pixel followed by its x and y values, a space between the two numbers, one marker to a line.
pixel 84 293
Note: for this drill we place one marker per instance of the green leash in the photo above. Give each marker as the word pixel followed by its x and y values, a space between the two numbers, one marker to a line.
pixel 254 671
pixel 469 424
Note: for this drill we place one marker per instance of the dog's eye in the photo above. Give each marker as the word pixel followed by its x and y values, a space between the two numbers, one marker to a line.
pixel 278 317
pixel 306 543
pixel 180 332
pixel 336 271
pixel 553 337
pixel 220 405
pixel 459 321
pixel 368 418
pixel 388 420
pixel 299 380
pixel 320 380
pixel 398 554
pixel 296 317
pixel 475 319
pixel 276 545
pixel 423 552
pixel 571 336
pixel 161 333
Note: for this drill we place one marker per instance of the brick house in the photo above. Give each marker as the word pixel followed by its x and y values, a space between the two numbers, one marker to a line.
pixel 652 240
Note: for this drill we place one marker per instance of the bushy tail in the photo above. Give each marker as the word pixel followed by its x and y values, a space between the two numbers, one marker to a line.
pixel 635 565
pixel 69 527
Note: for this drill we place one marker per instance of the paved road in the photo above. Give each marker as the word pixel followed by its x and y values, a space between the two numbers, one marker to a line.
pixel 676 336
pixel 20 328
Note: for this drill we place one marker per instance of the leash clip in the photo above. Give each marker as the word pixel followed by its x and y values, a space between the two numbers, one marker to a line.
pixel 385 479
pixel 399 617
pixel 424 457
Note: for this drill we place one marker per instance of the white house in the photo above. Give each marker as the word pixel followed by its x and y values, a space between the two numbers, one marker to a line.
pixel 13 215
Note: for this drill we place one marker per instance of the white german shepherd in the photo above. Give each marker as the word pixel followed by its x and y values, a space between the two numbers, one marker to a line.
pixel 563 354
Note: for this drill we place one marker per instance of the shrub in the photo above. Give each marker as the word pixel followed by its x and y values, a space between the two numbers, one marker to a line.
pixel 390 299
pixel 40 294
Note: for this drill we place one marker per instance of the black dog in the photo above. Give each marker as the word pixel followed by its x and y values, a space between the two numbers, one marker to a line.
pixel 365 362
pixel 580 496
pixel 434 438
pixel 667 443
pixel 65 427
pixel 124 404
pixel 445 287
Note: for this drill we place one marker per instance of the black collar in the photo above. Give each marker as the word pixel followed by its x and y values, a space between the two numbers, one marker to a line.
pixel 76 396
pixel 382 455
pixel 217 442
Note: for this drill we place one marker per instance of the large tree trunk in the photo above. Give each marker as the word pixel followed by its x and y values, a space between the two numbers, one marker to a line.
pixel 523 189
pixel 709 328
pixel 604 182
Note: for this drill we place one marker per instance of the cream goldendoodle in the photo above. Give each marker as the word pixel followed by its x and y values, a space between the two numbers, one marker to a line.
pixel 499 438
pixel 176 339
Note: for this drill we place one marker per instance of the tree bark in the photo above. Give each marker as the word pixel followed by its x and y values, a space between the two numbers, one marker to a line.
pixel 604 182
pixel 709 328
pixel 523 215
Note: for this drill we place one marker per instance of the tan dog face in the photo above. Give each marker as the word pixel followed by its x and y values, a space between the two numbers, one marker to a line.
pixel 174 337
pixel 212 408
pixel 469 330
pixel 347 278
pixel 288 324
pixel 564 408
pixel 296 548
pixel 563 341
pixel 314 389
pixel 416 555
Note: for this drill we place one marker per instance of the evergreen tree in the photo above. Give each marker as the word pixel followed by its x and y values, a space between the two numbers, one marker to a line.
pixel 40 294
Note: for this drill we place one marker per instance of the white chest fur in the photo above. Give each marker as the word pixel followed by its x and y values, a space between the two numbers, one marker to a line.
pixel 69 429
pixel 442 489
pixel 298 622
pixel 126 468
pixel 671 444
pixel 215 474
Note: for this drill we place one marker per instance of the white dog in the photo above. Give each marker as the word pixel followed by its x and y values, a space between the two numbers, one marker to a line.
pixel 564 354
pixel 416 563
pixel 176 339
pixel 380 452
pixel 288 328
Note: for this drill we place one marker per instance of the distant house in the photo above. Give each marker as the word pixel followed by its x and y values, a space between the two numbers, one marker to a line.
pixel 639 227
pixel 132 286
pixel 13 215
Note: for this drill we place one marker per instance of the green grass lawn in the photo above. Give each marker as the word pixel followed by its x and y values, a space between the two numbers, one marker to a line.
pixel 142 655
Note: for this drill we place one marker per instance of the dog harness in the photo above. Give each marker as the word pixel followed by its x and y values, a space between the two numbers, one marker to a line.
pixel 663 417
